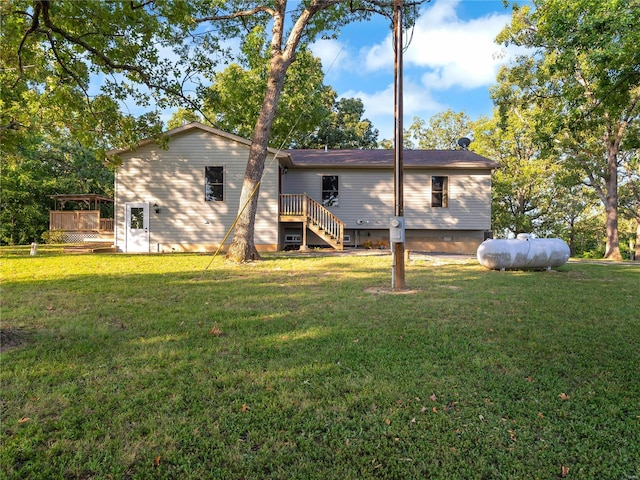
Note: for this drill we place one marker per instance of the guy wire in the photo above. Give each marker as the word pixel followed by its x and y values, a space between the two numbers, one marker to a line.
pixel 272 160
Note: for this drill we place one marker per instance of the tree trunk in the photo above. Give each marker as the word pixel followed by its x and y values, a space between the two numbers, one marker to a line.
pixel 612 250
pixel 572 238
pixel 243 248
pixel 637 252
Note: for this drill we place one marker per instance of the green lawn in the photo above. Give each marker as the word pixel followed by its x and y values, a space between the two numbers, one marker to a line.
pixel 143 367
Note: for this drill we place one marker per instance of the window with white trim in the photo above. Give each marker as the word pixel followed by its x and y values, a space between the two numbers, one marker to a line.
pixel 439 191
pixel 330 190
pixel 214 184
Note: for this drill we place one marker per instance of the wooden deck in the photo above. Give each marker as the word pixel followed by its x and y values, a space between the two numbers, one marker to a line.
pixel 79 221
pixel 80 214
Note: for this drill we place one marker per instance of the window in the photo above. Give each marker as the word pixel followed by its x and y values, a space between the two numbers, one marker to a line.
pixel 439 191
pixel 136 218
pixel 292 238
pixel 213 184
pixel 330 190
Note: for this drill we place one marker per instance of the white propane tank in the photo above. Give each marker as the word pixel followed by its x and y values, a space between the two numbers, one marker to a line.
pixel 523 252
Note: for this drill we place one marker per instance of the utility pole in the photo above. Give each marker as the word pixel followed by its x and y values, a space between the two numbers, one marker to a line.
pixel 396 231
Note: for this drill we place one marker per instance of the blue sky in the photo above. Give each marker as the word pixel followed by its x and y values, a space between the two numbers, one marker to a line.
pixel 451 62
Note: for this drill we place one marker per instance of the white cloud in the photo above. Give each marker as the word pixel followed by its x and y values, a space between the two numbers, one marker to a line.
pixel 416 100
pixel 379 105
pixel 333 55
pixel 451 52
pixel 380 56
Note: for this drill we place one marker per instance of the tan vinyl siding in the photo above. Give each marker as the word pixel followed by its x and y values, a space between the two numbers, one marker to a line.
pixel 175 180
pixel 469 205
pixel 366 197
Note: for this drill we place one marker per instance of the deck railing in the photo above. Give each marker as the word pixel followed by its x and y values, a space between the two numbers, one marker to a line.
pixel 293 205
pixel 106 224
pixel 79 221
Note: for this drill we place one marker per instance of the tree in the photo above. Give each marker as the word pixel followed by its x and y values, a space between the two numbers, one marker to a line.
pixel 583 67
pixel 49 63
pixel 308 114
pixel 308 19
pixel 181 117
pixel 53 126
pixel 522 185
pixel 443 132
pixel 630 193
pixel 573 206
pixel 236 96
pixel 169 47
pixel 343 127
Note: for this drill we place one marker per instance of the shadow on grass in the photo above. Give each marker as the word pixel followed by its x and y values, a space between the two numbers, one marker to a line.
pixel 290 368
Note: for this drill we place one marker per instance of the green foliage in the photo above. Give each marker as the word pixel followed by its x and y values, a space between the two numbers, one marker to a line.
pixel 236 97
pixel 442 133
pixel 148 367
pixel 49 64
pixel 39 167
pixel 308 114
pixel 523 185
pixel 181 117
pixel 343 128
pixel 582 78
pixel 53 237
pixel 629 192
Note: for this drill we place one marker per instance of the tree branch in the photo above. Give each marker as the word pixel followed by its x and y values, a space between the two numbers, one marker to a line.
pixel 239 14
pixel 35 24
pixel 41 14
pixel 141 5
pixel 64 66
pixel 80 42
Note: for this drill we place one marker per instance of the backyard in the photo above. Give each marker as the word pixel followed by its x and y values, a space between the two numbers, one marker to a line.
pixel 308 367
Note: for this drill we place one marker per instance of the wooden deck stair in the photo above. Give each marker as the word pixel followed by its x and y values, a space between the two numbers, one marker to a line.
pixel 91 247
pixel 314 216
pixel 328 237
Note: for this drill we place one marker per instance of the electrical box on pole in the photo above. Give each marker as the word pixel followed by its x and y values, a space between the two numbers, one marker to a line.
pixel 396 230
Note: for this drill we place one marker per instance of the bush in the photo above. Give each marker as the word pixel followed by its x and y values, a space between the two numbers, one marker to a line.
pixel 54 236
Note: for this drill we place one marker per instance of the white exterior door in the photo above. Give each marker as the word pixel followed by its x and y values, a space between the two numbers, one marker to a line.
pixel 137 227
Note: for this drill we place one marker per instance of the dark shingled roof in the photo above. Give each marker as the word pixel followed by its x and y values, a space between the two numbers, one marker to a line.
pixel 386 159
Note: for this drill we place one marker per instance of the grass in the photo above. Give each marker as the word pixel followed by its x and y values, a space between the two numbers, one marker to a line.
pixel 145 367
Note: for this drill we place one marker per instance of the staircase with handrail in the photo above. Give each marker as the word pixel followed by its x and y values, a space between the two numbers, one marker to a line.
pixel 300 207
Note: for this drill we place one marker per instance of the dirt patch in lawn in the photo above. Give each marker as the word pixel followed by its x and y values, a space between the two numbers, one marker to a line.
pixel 12 338
pixel 389 291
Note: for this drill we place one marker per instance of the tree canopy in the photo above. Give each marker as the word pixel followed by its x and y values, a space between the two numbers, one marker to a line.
pixel 234 100
pixel 38 167
pixel 308 114
pixel 52 60
pixel 583 74
pixel 342 128
pixel 521 186
pixel 442 132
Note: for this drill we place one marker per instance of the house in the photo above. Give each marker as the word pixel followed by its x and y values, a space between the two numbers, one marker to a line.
pixel 186 197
